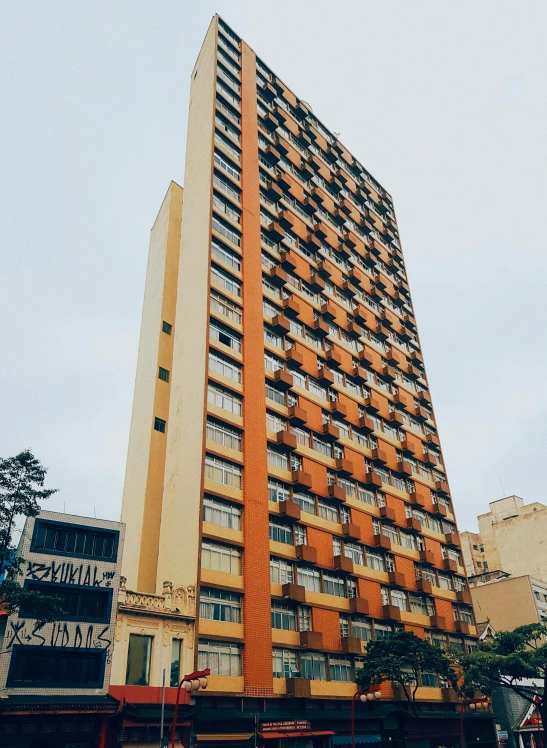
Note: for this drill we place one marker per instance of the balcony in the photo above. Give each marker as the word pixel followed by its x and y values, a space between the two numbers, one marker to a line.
pixel 277 276
pixel 403 468
pixel 273 190
pixel 275 231
pixel 391 612
pixel 388 514
pixel 433 439
pixel 283 379
pixel 427 557
pixel 442 487
pixel 336 492
pixel 359 374
pixel 379 456
pixel 453 539
pixel 389 373
pixel 351 531
pixel 300 688
pixel 423 585
pixel 288 261
pixel 311 639
pixel 291 307
pixel 413 524
pixel 281 324
pixel 450 565
pixel 366 423
pixel 328 310
pixel 353 330
pixel 359 606
pixel 351 645
pixel 417 498
pixel 338 408
pixel 397 579
pixel 325 376
pixel 300 479
pixel 464 596
pixel 366 357
pixel 334 357
pixel 317 283
pixel 438 622
pixel 406 447
pixel 359 312
pixel 295 360
pixel 373 479
pixel 343 564
pixel 462 627
pixel 297 415
pixel 321 328
pixel 372 403
pixel 285 219
pixel 439 510
pixel 330 432
pixel 306 553
pixel 289 509
pixel 421 414
pixel 343 466
pixel 285 441
pixel 296 592
pixel 380 541
pixel 314 243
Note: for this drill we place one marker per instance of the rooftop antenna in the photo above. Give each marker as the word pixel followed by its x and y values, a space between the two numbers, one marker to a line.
pixel 94 512
pixel 502 488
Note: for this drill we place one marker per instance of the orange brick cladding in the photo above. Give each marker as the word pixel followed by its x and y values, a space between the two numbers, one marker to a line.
pixel 343 483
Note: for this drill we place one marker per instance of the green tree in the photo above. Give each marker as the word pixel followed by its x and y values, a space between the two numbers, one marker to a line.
pixel 510 661
pixel 401 660
pixel 21 491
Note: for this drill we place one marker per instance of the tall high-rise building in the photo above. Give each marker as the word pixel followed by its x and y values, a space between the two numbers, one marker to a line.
pixel 284 463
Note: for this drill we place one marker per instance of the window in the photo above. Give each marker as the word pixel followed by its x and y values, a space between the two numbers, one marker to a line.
pixel 221 513
pixel 224 306
pixel 217 557
pixel 333 585
pixel 300 535
pixel 278 396
pixel 280 533
pixel 78 603
pixel 278 459
pixel 222 472
pixel 310 579
pixel 340 668
pixel 355 552
pixel 73 540
pixel 283 617
pixel 219 605
pixel 277 491
pixel 304 618
pixel 399 599
pixel 361 628
pixel 222 658
pixel 221 434
pixel 382 631
pixel 225 336
pixel 166 327
pixel 272 337
pixel 225 281
pixel 281 571
pixel 305 501
pixel 139 656
pixel 52 667
pixel 159 425
pixel 375 560
pixel 314 666
pixel 327 511
pixel 224 164
pixel 175 674
pixel 224 399
pixel 163 374
pixel 284 663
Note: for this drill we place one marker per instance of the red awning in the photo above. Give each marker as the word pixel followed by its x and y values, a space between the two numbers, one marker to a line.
pixel 294 734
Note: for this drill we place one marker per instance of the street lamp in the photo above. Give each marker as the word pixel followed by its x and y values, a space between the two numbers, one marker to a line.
pixel 371 694
pixel 191 683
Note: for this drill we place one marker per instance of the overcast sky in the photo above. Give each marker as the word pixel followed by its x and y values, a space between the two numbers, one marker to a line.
pixel 444 102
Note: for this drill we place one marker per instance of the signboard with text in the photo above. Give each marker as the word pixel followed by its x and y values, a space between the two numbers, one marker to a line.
pixel 285 725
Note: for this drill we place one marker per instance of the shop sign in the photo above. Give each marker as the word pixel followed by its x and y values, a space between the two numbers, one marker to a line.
pixel 503 735
pixel 285 725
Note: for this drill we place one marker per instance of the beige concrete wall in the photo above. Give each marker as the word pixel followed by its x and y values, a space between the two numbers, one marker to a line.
pixel 180 524
pixel 515 537
pixel 508 603
pixel 141 504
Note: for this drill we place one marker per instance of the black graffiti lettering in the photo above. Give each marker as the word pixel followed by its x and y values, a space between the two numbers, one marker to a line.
pixel 35 633
pixel 108 574
pixel 96 582
pixel 78 638
pixel 17 631
pixel 55 571
pixel 101 638
pixel 87 578
pixel 37 571
pixel 89 637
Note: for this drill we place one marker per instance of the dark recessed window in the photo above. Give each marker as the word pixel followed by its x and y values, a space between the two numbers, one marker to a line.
pixel 163 374
pixel 159 425
pixel 78 603
pixel 73 540
pixel 53 667
pixel 166 327
pixel 138 660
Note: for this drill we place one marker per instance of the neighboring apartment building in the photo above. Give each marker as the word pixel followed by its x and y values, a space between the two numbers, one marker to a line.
pixel 512 538
pixel 284 460
pixel 508 602
pixel 54 678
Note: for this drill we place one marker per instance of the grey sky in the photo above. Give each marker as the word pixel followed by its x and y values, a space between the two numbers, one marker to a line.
pixel 445 103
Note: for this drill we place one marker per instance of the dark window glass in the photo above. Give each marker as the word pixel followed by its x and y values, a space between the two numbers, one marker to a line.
pixel 78 603
pixel 56 667
pixel 138 660
pixel 159 425
pixel 166 327
pixel 58 538
pixel 163 374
